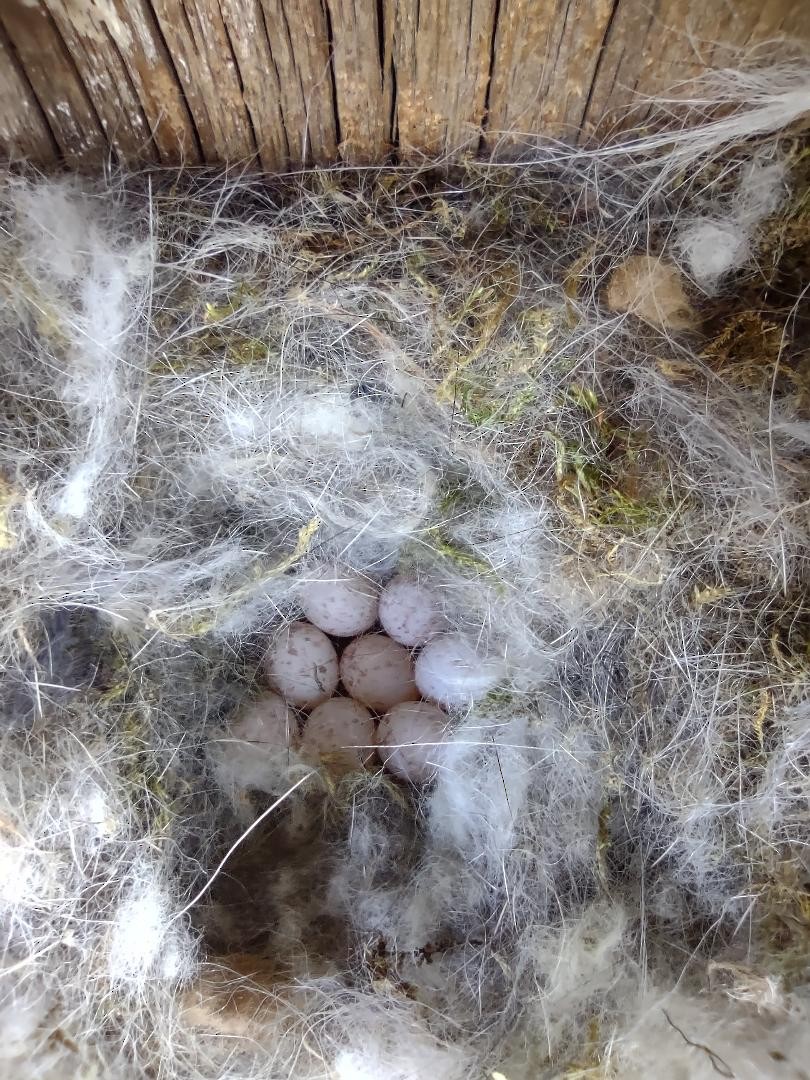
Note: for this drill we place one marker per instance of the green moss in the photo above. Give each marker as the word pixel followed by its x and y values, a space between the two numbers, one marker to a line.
pixel 442 545
pixel 484 406
pixel 602 483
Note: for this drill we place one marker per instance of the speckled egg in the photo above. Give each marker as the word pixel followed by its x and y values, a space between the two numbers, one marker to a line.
pixel 267 720
pixel 340 602
pixel 302 665
pixel 451 672
pixel 407 740
pixel 378 672
pixel 339 733
pixel 407 612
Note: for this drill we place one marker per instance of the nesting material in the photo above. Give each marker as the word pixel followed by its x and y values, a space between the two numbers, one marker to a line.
pixel 653 290
pixel 266 721
pixel 563 430
pixel 717 243
pixel 712 248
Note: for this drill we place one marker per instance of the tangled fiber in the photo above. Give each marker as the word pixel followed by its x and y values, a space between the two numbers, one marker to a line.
pixel 569 394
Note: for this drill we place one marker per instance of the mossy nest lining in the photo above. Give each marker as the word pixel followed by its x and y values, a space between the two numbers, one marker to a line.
pixel 524 385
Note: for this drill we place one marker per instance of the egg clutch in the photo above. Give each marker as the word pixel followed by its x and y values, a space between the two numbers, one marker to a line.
pixel 365 692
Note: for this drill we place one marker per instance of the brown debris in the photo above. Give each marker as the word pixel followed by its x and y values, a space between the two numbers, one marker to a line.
pixel 233 999
pixel 652 290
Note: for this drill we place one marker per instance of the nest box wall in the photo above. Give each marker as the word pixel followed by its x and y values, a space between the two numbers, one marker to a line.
pixel 296 82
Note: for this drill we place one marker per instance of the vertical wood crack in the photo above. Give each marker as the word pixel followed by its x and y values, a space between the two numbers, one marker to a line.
pixel 135 94
pixel 330 40
pixel 598 66
pixel 240 80
pixel 172 66
pixel 493 37
pixel 274 62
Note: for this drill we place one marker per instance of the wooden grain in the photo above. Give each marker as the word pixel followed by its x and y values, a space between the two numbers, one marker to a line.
pixel 260 82
pixel 99 64
pixel 545 58
pixel 134 29
pixel 197 39
pixel 298 38
pixel 649 50
pixel 441 56
pixel 363 77
pixel 257 78
pixel 573 69
pixel 54 79
pixel 24 131
pixel 285 83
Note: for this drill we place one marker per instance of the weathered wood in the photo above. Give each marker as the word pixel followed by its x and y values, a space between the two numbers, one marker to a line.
pixel 24 131
pixel 363 73
pixel 546 56
pixel 99 64
pixel 285 83
pixel 573 68
pixel 197 38
pixel 256 75
pixel 55 81
pixel 133 29
pixel 442 59
pixel 298 34
pixel 650 51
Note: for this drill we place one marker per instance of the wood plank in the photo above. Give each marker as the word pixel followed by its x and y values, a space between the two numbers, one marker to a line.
pixel 100 66
pixel 54 79
pixel 256 75
pixel 260 80
pixel 286 83
pixel 197 39
pixel 575 69
pixel 121 62
pixel 649 51
pixel 441 54
pixel 362 69
pixel 24 131
pixel 295 47
pixel 134 28
pixel 546 54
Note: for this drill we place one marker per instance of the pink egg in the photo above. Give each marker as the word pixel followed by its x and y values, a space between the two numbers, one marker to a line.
pixel 340 733
pixel 409 738
pixel 378 672
pixel 302 665
pixel 267 720
pixel 407 612
pixel 339 602
pixel 451 672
